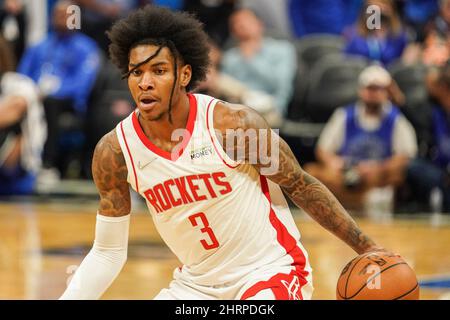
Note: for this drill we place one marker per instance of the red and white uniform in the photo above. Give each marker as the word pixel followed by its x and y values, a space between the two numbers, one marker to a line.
pixel 229 226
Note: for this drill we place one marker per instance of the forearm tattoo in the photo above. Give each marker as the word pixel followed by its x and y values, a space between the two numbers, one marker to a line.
pixel 312 196
pixel 304 190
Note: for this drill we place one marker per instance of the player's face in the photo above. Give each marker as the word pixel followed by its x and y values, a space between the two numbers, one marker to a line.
pixel 151 83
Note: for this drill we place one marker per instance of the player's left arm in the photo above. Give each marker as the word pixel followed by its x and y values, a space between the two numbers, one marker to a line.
pixel 283 168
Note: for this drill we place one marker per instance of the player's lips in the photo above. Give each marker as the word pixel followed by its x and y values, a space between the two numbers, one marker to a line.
pixel 147 102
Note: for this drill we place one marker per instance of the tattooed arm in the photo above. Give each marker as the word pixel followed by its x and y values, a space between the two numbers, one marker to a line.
pixel 283 168
pixel 109 171
pixel 109 252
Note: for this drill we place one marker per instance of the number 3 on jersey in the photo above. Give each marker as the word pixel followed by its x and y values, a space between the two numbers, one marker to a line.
pixel 206 229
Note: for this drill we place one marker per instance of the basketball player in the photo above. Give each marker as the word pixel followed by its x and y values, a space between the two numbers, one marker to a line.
pixel 228 223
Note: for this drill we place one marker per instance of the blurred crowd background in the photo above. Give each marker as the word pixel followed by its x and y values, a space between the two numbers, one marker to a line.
pixel 359 89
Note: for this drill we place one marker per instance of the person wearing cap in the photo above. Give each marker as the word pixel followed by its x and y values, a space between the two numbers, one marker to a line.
pixel 365 145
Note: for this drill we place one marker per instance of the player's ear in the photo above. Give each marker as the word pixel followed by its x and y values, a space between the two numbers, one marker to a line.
pixel 185 75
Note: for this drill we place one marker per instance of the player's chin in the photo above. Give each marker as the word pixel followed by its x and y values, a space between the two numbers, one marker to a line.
pixel 151 115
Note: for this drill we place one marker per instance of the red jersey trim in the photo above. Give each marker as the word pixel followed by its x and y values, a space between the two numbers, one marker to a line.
pixel 131 157
pixel 275 284
pixel 288 242
pixel 212 139
pixel 174 155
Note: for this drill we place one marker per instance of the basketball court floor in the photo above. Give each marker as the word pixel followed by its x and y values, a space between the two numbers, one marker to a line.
pixel 43 241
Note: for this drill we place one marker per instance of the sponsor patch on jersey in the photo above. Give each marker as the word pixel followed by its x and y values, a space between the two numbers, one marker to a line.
pixel 201 152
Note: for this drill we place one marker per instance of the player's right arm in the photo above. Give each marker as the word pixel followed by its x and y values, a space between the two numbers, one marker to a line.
pixel 109 252
pixel 283 168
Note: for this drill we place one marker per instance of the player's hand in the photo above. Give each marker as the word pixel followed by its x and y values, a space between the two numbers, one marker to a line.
pixel 379 249
pixel 375 249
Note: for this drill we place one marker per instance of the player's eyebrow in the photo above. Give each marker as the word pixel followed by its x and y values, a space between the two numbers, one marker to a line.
pixel 135 66
pixel 152 65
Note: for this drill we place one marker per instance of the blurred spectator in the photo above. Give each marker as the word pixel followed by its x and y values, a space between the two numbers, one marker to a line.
pixel 322 16
pixel 435 49
pixel 262 63
pixel 431 173
pixel 384 44
pixel 22 128
pixel 366 145
pixel 98 16
pixel 274 14
pixel 441 24
pixel 417 13
pixel 13 24
pixel 214 14
pixel 225 87
pixel 64 66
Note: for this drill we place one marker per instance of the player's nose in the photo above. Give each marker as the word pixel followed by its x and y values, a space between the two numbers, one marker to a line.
pixel 146 82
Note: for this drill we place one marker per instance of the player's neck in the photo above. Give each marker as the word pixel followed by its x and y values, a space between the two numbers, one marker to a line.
pixel 162 129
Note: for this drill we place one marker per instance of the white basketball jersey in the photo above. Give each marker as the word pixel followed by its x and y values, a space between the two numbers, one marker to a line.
pixel 222 219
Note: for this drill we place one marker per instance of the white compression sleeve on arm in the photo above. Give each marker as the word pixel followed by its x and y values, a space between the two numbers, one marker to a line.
pixel 104 262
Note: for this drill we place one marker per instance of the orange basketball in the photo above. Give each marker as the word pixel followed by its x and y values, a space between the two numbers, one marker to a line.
pixel 377 276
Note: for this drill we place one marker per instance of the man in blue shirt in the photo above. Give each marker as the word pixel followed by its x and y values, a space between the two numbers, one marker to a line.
pixel 262 63
pixel 383 44
pixel 426 175
pixel 366 145
pixel 64 66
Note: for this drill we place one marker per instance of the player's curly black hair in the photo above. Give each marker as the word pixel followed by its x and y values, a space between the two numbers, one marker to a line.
pixel 181 32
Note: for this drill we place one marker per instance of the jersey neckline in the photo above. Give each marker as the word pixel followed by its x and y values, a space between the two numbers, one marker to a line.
pixel 177 151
